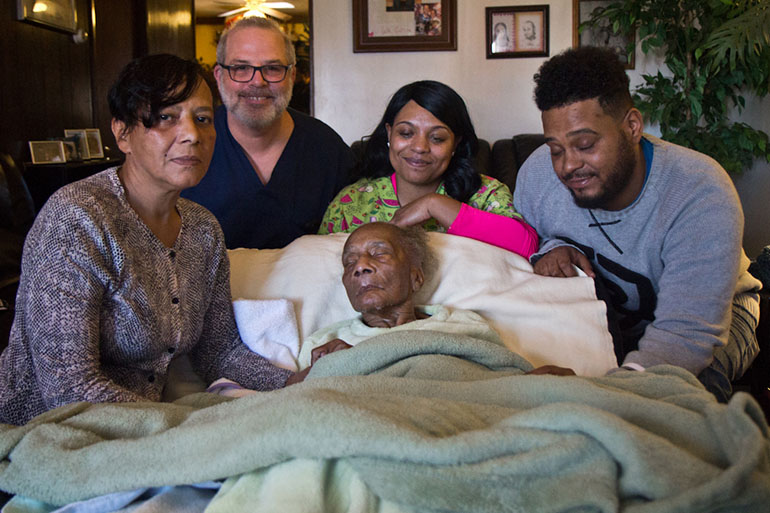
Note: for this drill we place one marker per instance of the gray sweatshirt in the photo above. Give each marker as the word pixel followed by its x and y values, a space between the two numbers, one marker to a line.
pixel 672 260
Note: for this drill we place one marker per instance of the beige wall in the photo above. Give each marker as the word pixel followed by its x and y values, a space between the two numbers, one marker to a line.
pixel 351 90
pixel 367 80
pixel 206 43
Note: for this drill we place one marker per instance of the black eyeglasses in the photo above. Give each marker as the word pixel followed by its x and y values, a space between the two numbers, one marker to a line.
pixel 244 72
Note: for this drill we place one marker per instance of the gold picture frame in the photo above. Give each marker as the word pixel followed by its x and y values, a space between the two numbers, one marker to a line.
pixel 81 141
pixel 94 143
pixel 58 14
pixel 47 152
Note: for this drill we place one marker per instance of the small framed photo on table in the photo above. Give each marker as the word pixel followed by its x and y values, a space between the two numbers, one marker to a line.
pixel 94 143
pixel 81 144
pixel 517 31
pixel 70 149
pixel 47 152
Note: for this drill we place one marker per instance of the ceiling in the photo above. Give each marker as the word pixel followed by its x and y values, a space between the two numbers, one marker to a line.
pixel 211 8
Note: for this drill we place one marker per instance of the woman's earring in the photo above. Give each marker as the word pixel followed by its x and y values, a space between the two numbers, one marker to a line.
pixel 388 144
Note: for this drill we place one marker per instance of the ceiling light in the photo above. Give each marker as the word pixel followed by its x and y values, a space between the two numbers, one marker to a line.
pixel 254 12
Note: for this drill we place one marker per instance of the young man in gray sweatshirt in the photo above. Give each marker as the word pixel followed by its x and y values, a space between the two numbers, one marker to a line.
pixel 659 224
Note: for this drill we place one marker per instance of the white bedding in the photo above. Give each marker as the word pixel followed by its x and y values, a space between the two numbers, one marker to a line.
pixel 547 320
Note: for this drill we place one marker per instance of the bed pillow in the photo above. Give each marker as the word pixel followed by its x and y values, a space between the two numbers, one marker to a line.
pixel 554 321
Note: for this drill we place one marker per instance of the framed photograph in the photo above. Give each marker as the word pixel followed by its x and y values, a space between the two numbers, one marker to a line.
pixel 601 35
pixel 94 143
pixel 47 152
pixel 81 141
pixel 404 25
pixel 56 14
pixel 517 31
pixel 70 149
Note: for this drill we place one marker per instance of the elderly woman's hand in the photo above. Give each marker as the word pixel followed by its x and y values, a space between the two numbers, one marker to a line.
pixel 439 207
pixel 329 347
pixel 318 353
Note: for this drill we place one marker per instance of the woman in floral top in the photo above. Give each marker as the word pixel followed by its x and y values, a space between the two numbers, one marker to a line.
pixel 418 169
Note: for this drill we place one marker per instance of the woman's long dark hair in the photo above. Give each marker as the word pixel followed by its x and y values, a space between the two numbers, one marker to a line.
pixel 461 179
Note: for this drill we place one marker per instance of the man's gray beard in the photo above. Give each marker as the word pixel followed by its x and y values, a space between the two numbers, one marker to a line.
pixel 264 119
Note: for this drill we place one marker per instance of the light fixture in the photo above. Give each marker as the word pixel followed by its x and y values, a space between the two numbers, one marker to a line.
pixel 253 12
pixel 261 8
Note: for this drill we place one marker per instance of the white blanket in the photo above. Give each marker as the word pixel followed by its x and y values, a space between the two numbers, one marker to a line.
pixel 269 327
pixel 554 321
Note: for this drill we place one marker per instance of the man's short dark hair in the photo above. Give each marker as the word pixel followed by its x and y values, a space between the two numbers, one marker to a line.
pixel 580 74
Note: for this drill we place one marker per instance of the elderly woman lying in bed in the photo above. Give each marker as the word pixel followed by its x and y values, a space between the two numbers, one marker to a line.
pixel 384 267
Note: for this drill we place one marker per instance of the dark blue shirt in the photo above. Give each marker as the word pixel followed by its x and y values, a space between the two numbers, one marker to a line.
pixel 313 167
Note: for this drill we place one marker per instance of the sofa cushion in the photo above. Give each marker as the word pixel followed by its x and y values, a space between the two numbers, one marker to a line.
pixel 509 154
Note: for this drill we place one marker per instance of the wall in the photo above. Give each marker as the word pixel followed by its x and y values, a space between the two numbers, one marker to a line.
pixel 351 90
pixel 50 82
pixel 170 27
pixel 754 185
pixel 112 46
pixel 45 84
pixel 206 42
pixel 367 80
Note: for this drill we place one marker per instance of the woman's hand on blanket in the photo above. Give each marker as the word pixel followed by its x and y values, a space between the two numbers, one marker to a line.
pixel 329 347
pixel 318 353
pixel 437 206
pixel 297 377
pixel 559 263
pixel 552 369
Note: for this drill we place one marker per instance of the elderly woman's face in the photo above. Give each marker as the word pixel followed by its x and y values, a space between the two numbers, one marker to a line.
pixel 421 146
pixel 377 272
pixel 174 154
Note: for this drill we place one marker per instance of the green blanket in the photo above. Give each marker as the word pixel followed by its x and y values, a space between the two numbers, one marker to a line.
pixel 425 421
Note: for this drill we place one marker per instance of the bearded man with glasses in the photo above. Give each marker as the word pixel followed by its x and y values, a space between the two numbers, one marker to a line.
pixel 274 169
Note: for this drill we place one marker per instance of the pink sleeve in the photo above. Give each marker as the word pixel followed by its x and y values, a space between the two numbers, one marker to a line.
pixel 504 232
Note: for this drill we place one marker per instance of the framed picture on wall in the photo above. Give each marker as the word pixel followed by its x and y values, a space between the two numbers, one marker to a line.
pixel 47 152
pixel 517 31
pixel 601 35
pixel 57 14
pixel 404 25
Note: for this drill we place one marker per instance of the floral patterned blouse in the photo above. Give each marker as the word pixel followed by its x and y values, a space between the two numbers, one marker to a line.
pixel 374 199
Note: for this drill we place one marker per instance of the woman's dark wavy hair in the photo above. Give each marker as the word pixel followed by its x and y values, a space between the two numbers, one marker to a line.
pixel 149 84
pixel 580 74
pixel 461 179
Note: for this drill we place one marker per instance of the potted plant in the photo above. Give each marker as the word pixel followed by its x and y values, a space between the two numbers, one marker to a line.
pixel 715 52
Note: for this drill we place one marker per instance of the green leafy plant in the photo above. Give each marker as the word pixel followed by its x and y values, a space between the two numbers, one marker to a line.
pixel 715 51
